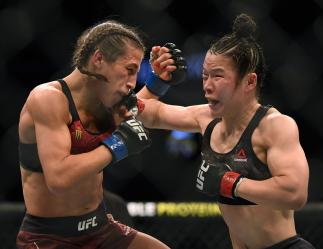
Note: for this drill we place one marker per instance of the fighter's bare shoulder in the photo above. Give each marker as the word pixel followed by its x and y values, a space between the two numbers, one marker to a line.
pixel 46 98
pixel 277 126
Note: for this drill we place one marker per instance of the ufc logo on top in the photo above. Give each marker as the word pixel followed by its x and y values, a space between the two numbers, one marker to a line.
pixel 200 178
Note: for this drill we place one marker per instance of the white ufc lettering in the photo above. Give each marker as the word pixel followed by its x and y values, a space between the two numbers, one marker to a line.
pixel 200 178
pixel 137 126
pixel 86 224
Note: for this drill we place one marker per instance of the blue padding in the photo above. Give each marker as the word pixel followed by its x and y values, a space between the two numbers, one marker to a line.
pixel 116 146
pixel 156 85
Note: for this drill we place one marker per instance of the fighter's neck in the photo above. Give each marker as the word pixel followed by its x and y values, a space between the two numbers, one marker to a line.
pixel 239 118
pixel 81 87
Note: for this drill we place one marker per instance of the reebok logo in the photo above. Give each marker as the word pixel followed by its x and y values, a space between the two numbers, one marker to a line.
pixel 86 224
pixel 138 127
pixel 240 156
pixel 200 178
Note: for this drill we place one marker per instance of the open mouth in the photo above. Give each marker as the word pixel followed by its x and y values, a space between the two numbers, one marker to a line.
pixel 213 103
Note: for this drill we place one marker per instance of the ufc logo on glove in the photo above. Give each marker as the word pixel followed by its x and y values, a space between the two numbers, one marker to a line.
pixel 136 126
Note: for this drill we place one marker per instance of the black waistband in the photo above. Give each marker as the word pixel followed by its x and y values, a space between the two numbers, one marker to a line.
pixel 286 243
pixel 235 201
pixel 69 226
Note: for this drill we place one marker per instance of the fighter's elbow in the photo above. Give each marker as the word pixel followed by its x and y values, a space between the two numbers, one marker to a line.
pixel 301 201
pixel 298 199
pixel 58 187
pixel 295 193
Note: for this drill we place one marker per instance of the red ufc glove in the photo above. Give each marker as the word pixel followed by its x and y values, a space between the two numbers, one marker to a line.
pixel 228 184
pixel 217 179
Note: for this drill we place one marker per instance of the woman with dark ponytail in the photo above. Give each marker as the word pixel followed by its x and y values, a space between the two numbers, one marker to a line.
pixel 252 160
pixel 71 128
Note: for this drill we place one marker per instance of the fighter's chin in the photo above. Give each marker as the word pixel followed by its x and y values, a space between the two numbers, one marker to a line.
pixel 116 104
pixel 216 108
pixel 112 102
pixel 108 104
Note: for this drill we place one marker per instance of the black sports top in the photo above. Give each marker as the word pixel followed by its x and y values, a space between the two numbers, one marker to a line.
pixel 81 140
pixel 242 158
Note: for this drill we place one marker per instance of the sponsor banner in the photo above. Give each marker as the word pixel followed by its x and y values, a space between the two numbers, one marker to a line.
pixel 173 209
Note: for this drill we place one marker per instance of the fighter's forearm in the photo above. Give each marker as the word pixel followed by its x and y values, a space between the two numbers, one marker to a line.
pixel 277 192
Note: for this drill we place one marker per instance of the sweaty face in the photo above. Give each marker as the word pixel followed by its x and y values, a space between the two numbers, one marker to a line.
pixel 121 76
pixel 219 82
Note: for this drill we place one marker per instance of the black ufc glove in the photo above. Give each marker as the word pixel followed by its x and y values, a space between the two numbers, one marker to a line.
pixel 159 86
pixel 129 138
pixel 129 101
pixel 179 74
pixel 132 103
pixel 217 180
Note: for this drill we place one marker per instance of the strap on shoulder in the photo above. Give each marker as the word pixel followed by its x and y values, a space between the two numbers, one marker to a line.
pixel 260 113
pixel 208 132
pixel 72 107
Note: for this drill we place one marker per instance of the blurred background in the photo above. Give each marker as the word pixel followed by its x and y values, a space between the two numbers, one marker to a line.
pixel 38 37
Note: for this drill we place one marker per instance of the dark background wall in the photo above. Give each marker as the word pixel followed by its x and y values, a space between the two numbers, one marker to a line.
pixel 37 39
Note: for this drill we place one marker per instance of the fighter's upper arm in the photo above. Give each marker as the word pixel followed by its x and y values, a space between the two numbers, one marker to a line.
pixel 49 110
pixel 285 156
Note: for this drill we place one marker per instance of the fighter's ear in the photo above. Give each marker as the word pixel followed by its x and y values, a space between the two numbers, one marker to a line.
pixel 97 57
pixel 251 81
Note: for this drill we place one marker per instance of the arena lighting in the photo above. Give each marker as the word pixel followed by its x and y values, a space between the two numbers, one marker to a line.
pixel 181 143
